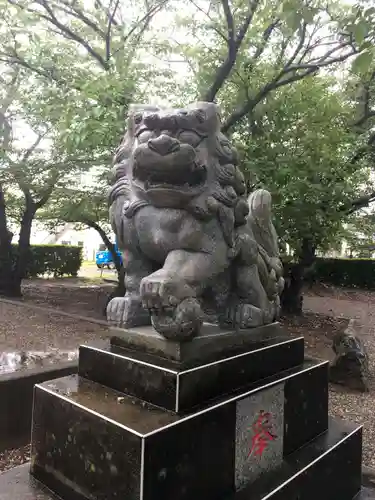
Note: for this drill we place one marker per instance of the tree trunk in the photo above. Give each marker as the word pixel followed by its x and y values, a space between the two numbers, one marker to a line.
pixel 108 243
pixel 8 286
pixel 119 291
pixel 292 296
pixel 24 243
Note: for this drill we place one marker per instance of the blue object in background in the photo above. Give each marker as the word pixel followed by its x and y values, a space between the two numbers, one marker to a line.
pixel 103 257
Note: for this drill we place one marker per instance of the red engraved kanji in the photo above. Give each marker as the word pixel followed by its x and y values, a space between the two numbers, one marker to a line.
pixel 263 434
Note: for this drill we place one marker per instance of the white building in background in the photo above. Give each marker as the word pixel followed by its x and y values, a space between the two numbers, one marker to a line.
pixel 88 239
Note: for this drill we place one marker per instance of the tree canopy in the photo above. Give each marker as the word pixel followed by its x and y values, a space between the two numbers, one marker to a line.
pixel 294 78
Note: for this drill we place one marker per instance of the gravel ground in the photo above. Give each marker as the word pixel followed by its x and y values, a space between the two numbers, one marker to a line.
pixel 328 312
pixel 318 331
pixel 12 458
pixel 22 328
pixel 339 305
pixel 77 296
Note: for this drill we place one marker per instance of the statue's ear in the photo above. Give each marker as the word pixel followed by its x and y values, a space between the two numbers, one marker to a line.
pixel 140 110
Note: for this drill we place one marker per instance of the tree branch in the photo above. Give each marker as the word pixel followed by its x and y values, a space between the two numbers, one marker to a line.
pixel 261 48
pixel 240 112
pixel 33 147
pixel 65 31
pixel 362 202
pixel 364 149
pixel 73 10
pixel 99 5
pixel 5 116
pixel 5 235
pixel 68 33
pixel 6 132
pixel 108 243
pixel 299 71
pixel 13 59
pixel 18 173
pixel 230 22
pixel 108 34
pixel 367 111
pixel 146 18
pixel 234 44
pixel 48 191
pixel 212 26
pixel 302 38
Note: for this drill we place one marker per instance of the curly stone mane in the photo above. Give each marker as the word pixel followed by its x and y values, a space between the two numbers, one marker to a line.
pixel 229 188
pixel 226 195
pixel 191 238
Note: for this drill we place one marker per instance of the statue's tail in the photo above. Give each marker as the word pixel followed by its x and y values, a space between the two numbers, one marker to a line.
pixel 260 222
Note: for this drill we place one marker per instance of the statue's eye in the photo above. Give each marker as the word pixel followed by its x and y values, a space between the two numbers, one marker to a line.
pixel 189 137
pixel 138 118
pixel 201 115
pixel 145 136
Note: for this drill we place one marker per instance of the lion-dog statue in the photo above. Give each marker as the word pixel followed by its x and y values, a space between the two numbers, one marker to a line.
pixel 191 239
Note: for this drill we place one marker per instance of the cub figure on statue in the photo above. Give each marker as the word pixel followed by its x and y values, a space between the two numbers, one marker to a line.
pixel 190 238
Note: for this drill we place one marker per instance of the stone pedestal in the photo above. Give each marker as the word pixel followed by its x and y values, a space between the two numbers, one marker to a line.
pixel 139 425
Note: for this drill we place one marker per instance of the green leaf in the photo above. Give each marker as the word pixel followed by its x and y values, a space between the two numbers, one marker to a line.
pixel 293 20
pixel 288 7
pixel 308 14
pixel 360 31
pixel 362 62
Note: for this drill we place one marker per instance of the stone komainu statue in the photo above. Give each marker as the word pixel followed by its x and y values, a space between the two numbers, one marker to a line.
pixel 192 241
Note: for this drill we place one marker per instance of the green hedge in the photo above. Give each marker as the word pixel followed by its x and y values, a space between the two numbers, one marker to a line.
pixel 357 273
pixel 53 260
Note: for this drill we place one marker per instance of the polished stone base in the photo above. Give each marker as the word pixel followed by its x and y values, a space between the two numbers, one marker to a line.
pixel 329 468
pixel 212 343
pixel 193 422
pixel 181 389
pixel 91 442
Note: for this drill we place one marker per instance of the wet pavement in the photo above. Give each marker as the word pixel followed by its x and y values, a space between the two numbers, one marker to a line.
pixel 368 482
pixel 11 362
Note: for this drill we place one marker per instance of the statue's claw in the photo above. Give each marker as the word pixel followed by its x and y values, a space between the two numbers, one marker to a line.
pixel 160 291
pixel 244 316
pixel 180 323
pixel 127 312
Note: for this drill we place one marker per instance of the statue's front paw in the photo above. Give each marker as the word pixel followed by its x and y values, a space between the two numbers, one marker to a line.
pixel 161 291
pixel 127 312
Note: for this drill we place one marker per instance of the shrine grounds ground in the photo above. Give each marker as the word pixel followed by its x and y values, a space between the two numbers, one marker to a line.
pixel 51 316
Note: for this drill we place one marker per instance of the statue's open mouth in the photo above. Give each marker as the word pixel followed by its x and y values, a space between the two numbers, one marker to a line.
pixel 190 177
pixel 168 174
pixel 177 170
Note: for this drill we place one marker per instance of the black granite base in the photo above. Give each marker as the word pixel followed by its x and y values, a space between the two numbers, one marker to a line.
pixel 179 389
pixel 327 469
pixel 91 442
pixel 229 416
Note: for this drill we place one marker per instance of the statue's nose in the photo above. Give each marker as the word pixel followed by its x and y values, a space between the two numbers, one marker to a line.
pixel 164 144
